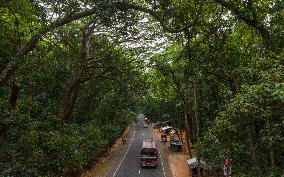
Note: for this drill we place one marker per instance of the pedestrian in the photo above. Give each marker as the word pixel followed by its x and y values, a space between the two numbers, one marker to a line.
pixel 123 140
pixel 194 172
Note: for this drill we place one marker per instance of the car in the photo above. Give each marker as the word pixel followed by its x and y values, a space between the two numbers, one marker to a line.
pixel 167 129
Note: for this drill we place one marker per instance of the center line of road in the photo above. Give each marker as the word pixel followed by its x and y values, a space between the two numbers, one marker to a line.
pixel 162 164
pixel 124 154
pixel 161 158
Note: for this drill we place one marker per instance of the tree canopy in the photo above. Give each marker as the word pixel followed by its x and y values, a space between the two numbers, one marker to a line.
pixel 74 73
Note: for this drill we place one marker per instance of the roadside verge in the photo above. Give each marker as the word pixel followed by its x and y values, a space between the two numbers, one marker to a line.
pixel 177 160
pixel 97 168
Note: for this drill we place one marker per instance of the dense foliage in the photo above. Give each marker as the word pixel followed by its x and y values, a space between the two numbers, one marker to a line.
pixel 226 77
pixel 69 98
pixel 73 72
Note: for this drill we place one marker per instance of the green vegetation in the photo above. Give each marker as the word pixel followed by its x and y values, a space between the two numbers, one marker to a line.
pixel 73 74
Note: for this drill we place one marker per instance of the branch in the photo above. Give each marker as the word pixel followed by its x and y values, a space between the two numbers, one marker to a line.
pixel 94 60
pixel 250 7
pixel 126 6
pixel 103 75
pixel 11 66
pixel 94 65
pixel 254 23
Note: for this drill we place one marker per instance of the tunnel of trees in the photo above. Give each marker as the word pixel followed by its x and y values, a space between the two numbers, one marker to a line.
pixel 74 74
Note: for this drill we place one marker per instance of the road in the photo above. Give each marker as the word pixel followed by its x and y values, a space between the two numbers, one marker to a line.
pixel 128 164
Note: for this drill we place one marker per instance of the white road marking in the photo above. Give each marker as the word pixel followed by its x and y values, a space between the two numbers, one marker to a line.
pixel 162 165
pixel 160 157
pixel 139 171
pixel 124 155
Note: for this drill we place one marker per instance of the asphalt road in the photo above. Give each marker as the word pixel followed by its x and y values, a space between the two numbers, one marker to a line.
pixel 127 161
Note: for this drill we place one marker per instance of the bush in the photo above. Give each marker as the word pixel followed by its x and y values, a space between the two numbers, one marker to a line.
pixel 53 151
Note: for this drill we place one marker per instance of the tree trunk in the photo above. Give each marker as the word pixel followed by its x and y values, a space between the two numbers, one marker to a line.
pixel 187 133
pixel 72 91
pixel 235 81
pixel 196 118
pixel 197 124
pixel 3 129
pixel 192 128
pixel 14 95
pixel 252 146
pixel 271 155
pixel 69 99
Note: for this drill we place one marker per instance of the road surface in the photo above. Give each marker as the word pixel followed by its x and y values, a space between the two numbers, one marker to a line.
pixel 125 161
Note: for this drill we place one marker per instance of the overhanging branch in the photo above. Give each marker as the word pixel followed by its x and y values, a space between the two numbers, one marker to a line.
pixel 11 66
pixel 127 6
pixel 254 23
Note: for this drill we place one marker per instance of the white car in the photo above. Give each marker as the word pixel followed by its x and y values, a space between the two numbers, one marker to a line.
pixel 172 133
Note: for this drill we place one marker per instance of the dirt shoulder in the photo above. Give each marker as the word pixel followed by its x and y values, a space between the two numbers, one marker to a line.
pixel 101 167
pixel 176 160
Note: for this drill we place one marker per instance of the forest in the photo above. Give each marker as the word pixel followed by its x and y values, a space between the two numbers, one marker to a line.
pixel 74 74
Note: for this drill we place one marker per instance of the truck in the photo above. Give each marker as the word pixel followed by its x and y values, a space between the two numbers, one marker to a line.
pixel 149 154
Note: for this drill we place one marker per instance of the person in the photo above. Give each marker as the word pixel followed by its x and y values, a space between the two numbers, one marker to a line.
pixel 123 140
pixel 194 172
